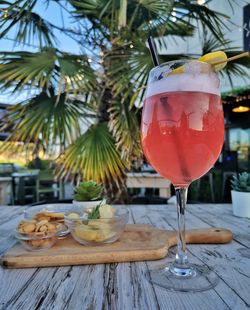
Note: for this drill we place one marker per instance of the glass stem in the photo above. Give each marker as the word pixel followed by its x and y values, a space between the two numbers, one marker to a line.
pixel 181 259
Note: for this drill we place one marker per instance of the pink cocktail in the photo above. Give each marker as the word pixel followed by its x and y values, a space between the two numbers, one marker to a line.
pixel 182 133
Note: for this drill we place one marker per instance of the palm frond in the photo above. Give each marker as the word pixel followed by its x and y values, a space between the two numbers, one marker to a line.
pixel 210 44
pixel 244 61
pixel 29 25
pixel 92 8
pixel 210 19
pixel 236 68
pixel 45 119
pixel 112 13
pixel 129 77
pixel 156 7
pixel 141 12
pixel 171 28
pixel 49 67
pixel 124 125
pixel 93 156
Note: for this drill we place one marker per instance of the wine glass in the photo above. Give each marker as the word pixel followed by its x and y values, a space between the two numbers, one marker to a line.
pixel 182 133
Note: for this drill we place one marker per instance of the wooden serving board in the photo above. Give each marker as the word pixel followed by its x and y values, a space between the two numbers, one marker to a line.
pixel 138 243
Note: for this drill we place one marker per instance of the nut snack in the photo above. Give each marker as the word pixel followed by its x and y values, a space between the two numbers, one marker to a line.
pixel 49 216
pixel 37 235
pixel 51 213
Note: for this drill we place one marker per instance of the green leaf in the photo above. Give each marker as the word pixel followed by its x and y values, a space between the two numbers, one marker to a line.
pixel 45 119
pixel 233 68
pixel 95 213
pixel 124 125
pixel 209 19
pixel 94 156
pixel 87 191
pixel 49 67
pixel 241 182
pixel 29 25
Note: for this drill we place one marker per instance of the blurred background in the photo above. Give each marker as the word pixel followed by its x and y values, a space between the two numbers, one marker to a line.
pixel 72 79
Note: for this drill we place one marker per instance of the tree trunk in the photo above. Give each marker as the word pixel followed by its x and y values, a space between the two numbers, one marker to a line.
pixel 116 191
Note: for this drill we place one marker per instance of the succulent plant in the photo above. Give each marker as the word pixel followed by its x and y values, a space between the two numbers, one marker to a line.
pixel 87 191
pixel 241 183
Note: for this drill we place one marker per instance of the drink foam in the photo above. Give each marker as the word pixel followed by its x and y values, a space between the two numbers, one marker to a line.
pixel 185 82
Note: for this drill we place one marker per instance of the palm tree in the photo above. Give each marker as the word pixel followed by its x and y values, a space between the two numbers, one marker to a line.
pixel 103 86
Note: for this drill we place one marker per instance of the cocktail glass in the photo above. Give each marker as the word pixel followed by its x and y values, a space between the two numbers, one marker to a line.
pixel 182 133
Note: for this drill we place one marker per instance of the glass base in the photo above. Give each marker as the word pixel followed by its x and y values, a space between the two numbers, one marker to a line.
pixel 191 278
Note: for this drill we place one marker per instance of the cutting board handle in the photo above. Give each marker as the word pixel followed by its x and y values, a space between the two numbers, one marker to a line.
pixel 209 235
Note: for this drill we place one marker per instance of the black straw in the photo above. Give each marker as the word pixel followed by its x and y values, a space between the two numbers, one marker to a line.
pixel 153 52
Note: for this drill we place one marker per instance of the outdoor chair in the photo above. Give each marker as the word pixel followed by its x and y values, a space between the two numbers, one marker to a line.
pixel 25 185
pixel 6 183
pixel 47 186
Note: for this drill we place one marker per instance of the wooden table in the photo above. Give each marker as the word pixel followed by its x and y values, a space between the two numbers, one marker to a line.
pixel 149 180
pixel 123 286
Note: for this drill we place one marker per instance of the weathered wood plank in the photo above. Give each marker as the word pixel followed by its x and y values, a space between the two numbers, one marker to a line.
pixel 12 285
pixel 89 288
pixel 7 239
pixel 229 275
pixel 223 258
pixel 8 213
pixel 124 286
pixel 170 300
pixel 215 214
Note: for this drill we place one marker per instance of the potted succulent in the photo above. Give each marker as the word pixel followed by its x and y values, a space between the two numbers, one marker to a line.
pixel 241 194
pixel 87 194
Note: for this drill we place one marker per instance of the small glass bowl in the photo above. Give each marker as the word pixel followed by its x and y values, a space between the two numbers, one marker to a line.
pixel 97 231
pixel 36 241
pixel 31 212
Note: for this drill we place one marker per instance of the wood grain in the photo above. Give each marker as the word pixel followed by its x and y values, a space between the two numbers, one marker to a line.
pixel 123 286
pixel 137 243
